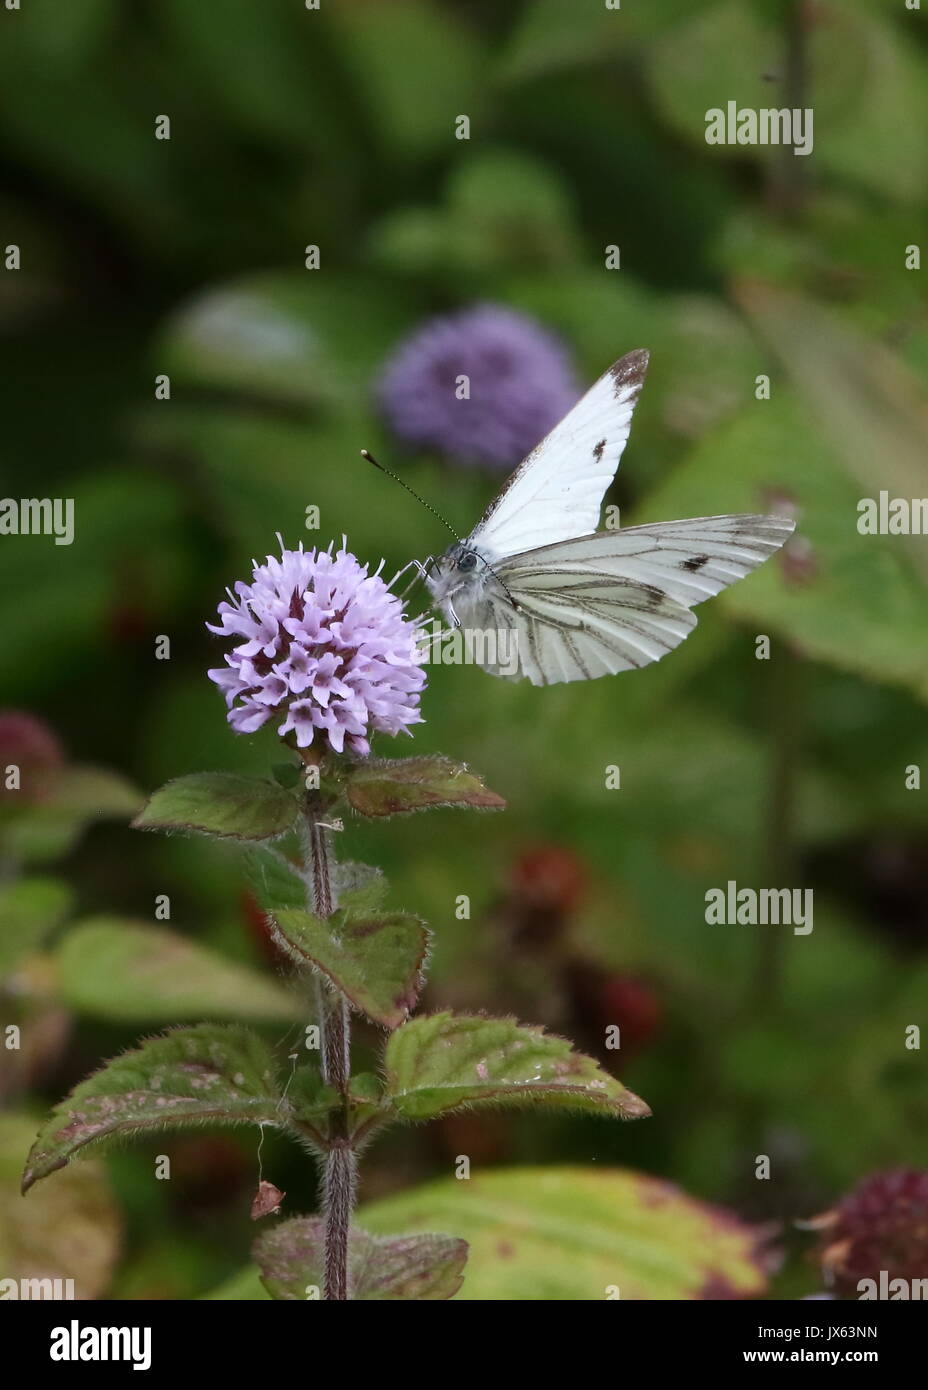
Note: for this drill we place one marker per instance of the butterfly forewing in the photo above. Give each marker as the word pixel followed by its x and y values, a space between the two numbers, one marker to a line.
pixel 556 492
pixel 572 603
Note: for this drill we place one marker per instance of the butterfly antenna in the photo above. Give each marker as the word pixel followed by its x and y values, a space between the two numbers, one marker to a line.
pixel 365 454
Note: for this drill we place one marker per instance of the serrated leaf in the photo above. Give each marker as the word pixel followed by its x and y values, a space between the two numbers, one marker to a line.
pixel 223 804
pixel 129 972
pixel 446 1061
pixel 373 958
pixel 29 910
pixel 291 1259
pixel 208 1073
pixel 413 784
pixel 574 1233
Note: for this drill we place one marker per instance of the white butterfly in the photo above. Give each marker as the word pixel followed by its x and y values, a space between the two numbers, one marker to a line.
pixel 578 602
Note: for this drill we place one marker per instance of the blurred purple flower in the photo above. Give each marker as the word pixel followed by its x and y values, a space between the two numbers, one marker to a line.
pixel 324 646
pixel 521 383
pixel 879 1228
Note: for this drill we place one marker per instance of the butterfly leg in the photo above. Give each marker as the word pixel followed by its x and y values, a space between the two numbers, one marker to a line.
pixel 456 621
pixel 421 573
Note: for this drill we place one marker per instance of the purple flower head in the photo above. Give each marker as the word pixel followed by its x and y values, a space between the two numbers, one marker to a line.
pixel 323 646
pixel 520 385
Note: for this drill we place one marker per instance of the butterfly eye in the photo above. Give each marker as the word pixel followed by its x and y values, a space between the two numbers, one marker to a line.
pixel 467 561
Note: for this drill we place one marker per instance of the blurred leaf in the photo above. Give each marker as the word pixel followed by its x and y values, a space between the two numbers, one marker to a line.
pixel 832 254
pixel 70 1229
pixel 222 804
pixel 301 339
pixel 60 35
pixel 103 574
pixel 416 67
pixel 574 1233
pixel 129 972
pixel 414 784
pixel 445 1062
pixel 291 1258
pixel 502 209
pixel 719 54
pixel 551 35
pixel 94 792
pixel 206 1074
pixel 30 910
pixel 876 140
pixel 47 829
pixel 263 68
pixel 870 405
pixel 854 600
pixel 566 1234
pixel 866 89
pixel 244 1286
pixel 374 959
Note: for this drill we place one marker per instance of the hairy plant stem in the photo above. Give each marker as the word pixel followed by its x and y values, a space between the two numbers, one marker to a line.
pixel 339 1175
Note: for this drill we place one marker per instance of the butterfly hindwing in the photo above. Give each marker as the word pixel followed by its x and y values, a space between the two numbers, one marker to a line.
pixel 593 627
pixel 614 601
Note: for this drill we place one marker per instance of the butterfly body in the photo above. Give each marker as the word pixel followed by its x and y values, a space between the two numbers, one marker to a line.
pixel 577 603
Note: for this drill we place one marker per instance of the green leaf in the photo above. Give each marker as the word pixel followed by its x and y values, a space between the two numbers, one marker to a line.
pixel 358 887
pixel 416 66
pixel 30 909
pixel 291 1258
pixel 445 1062
pixel 187 1076
pixel 273 879
pixel 129 972
pixel 831 589
pixel 223 804
pixel 374 959
pixel 413 784
pixel 70 1229
pixel 576 1233
pixel 871 406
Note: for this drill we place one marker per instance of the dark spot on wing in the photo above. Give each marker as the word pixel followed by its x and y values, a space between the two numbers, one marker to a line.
pixel 694 563
pixel 628 373
pixel 655 594
pixel 598 450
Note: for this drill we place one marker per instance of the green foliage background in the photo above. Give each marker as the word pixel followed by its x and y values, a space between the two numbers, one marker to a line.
pixel 336 127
